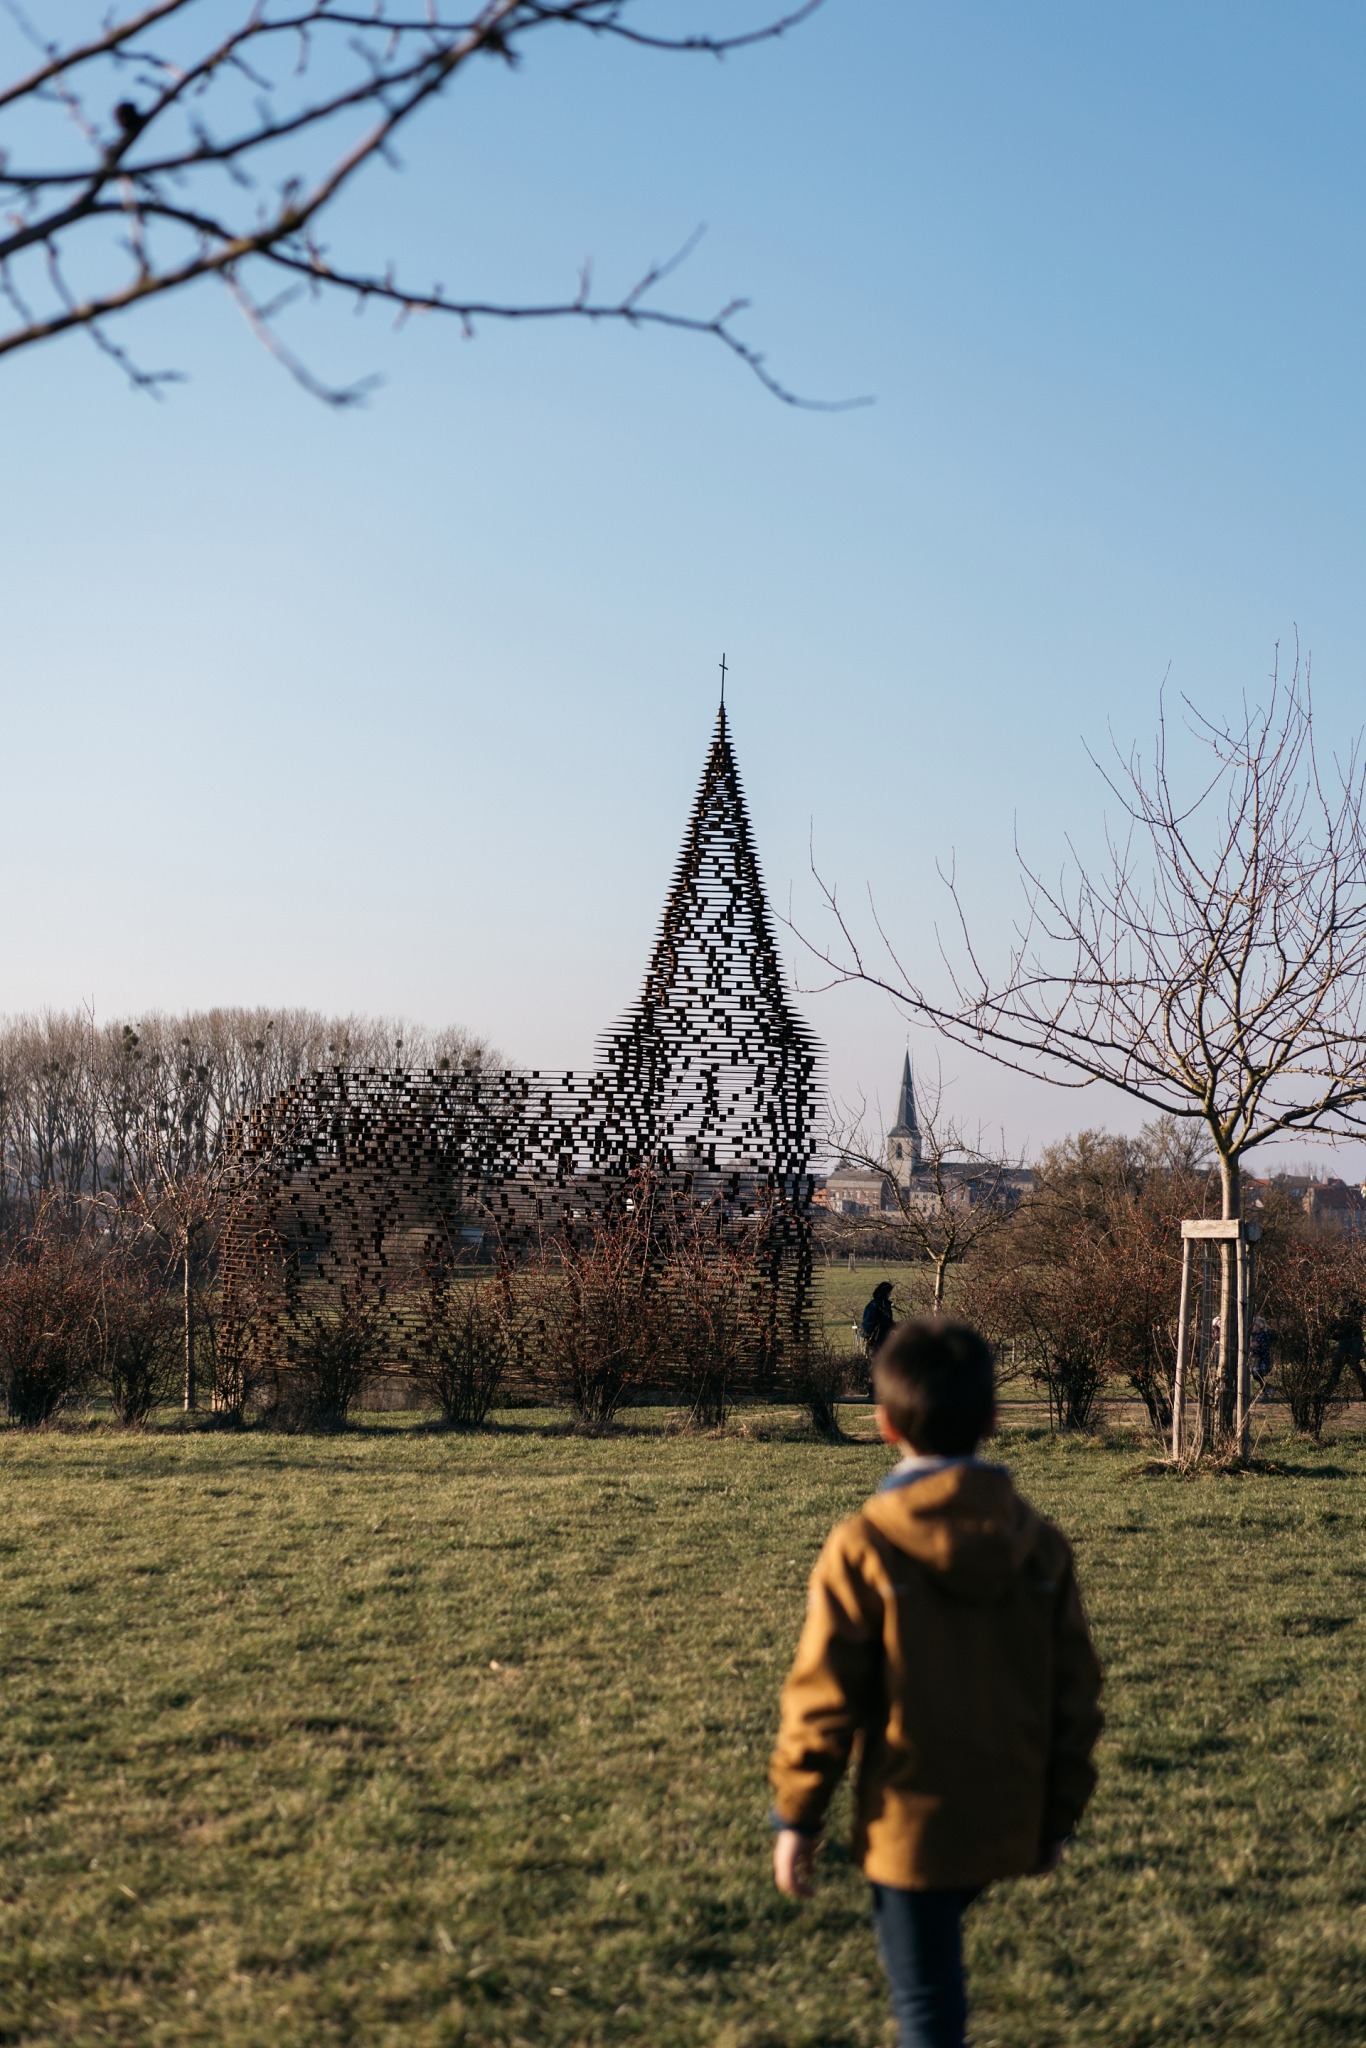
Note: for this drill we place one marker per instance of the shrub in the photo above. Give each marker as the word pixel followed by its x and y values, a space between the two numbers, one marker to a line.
pixel 1059 1316
pixel 1087 1279
pixel 820 1373
pixel 1312 1286
pixel 714 1328
pixel 49 1321
pixel 593 1319
pixel 139 1356
pixel 238 1346
pixel 332 1350
pixel 1069 1359
pixel 459 1350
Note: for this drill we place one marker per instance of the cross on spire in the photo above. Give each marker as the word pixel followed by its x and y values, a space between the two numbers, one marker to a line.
pixel 723 681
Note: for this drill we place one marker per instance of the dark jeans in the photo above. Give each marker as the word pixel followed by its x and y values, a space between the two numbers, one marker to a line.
pixel 920 1935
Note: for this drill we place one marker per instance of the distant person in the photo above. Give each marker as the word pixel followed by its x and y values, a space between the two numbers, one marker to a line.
pixel 1259 1350
pixel 878 1321
pixel 1349 1347
pixel 944 1629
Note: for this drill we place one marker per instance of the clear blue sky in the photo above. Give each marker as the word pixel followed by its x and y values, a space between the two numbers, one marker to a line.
pixel 402 709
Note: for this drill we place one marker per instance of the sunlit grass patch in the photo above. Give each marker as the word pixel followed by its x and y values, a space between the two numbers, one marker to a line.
pixel 401 1736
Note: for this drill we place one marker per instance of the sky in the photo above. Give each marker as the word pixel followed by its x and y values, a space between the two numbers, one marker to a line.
pixel 401 709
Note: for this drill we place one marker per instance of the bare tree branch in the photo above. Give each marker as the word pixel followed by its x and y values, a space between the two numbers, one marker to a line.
pixel 1214 967
pixel 213 136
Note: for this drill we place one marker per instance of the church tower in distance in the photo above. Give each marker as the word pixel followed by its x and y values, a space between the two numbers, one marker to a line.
pixel 903 1139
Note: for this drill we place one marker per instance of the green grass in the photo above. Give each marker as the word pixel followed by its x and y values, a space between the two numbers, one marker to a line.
pixel 842 1296
pixel 398 1738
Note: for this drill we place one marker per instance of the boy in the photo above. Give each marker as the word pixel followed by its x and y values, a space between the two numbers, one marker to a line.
pixel 945 1629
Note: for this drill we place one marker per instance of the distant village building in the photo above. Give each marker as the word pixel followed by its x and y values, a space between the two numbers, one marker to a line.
pixel 860 1191
pixel 1335 1204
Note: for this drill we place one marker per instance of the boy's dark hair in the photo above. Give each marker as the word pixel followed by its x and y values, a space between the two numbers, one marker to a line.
pixel 937 1381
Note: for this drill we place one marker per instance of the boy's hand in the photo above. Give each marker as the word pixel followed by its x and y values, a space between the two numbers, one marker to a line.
pixel 794 1857
pixel 1050 1856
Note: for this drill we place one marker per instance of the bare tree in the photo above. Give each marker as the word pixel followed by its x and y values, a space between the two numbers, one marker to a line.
pixel 164 143
pixel 138 1118
pixel 1211 967
pixel 1084 1274
pixel 181 1204
pixel 959 1194
pixel 104 1110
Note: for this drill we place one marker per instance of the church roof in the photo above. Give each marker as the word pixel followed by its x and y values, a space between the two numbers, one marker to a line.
pixel 905 1125
pixel 714 1055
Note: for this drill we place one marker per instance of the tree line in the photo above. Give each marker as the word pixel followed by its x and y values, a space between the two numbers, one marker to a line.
pixel 111 1143
pixel 654 1298
pixel 1077 1288
pixel 113 1111
pixel 114 1148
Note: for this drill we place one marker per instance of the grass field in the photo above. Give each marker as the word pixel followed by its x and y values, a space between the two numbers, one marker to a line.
pixel 842 1294
pixel 402 1738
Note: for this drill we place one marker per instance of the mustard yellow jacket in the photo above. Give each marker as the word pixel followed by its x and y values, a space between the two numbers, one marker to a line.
pixel 944 1629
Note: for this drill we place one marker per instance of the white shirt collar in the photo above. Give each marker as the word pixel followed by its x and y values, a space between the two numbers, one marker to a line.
pixel 931 1461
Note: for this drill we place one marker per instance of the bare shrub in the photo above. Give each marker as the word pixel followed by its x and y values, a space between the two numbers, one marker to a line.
pixel 715 1323
pixel 592 1321
pixel 1137 1237
pixel 239 1346
pixel 1058 1317
pixel 139 1329
pixel 1083 1283
pixel 459 1350
pixel 820 1374
pixel 333 1348
pixel 1313 1286
pixel 49 1320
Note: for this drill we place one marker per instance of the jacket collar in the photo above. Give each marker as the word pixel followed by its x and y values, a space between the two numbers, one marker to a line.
pixel 963 1520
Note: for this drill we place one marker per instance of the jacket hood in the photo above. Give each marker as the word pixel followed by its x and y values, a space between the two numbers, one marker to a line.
pixel 966 1523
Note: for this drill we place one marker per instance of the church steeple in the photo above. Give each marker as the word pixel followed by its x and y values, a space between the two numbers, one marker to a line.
pixel 713 1062
pixel 903 1139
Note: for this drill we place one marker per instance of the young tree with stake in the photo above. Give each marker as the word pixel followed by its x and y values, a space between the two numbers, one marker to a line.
pixel 1212 966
